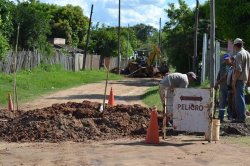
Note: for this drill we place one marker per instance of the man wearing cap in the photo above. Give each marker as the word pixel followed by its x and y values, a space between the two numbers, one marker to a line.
pixel 171 81
pixel 225 82
pixel 240 78
pixel 222 82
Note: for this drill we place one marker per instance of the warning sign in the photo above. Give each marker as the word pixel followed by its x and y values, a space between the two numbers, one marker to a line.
pixel 191 109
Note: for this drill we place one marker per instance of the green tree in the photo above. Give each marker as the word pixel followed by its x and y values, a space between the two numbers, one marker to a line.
pixel 62 29
pixel 232 18
pixel 178 44
pixel 143 32
pixel 6 25
pixel 104 41
pixel 6 18
pixel 4 46
pixel 34 24
pixel 70 23
pixel 178 35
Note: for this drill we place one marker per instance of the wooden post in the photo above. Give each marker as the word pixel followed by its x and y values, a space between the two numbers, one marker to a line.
pixel 164 121
pixel 15 68
pixel 212 61
pixel 106 65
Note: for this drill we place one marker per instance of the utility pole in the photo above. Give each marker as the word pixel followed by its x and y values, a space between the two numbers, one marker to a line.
pixel 212 65
pixel 212 44
pixel 160 34
pixel 127 45
pixel 87 42
pixel 195 35
pixel 119 47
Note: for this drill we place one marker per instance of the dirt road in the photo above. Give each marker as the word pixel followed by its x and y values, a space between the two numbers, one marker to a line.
pixel 126 91
pixel 179 150
pixel 176 150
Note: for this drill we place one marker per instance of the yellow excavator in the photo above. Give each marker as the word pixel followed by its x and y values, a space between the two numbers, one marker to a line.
pixel 156 52
pixel 137 68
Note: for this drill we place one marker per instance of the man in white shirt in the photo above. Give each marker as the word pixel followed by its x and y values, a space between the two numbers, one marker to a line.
pixel 171 81
pixel 240 78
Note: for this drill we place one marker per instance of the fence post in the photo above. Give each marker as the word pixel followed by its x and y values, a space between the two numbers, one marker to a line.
pixel 204 53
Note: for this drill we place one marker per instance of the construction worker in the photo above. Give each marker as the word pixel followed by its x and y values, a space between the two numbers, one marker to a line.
pixel 231 99
pixel 223 86
pixel 240 78
pixel 171 81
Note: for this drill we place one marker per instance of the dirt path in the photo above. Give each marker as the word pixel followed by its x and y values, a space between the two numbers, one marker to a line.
pixel 178 150
pixel 126 91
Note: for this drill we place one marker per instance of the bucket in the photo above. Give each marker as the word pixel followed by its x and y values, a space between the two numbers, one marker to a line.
pixel 216 130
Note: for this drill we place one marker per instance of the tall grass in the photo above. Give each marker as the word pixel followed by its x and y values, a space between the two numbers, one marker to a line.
pixel 45 79
pixel 152 97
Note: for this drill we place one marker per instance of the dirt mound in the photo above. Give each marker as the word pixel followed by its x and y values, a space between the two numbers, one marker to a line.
pixel 76 122
pixel 227 129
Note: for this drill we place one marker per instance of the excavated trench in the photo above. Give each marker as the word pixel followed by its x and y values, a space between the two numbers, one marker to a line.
pixel 81 122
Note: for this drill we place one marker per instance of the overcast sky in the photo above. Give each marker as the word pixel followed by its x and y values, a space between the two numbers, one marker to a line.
pixel 132 11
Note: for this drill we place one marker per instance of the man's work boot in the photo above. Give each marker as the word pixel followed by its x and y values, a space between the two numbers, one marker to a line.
pixel 221 114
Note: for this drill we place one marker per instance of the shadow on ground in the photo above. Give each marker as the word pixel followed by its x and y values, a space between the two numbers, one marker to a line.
pixel 138 82
pixel 97 96
pixel 142 143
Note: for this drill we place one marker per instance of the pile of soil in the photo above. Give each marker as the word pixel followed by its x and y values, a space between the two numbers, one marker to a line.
pixel 83 121
pixel 227 129
pixel 75 122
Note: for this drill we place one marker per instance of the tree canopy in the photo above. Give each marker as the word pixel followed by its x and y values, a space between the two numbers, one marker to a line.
pixel 34 24
pixel 104 41
pixel 6 25
pixel 40 21
pixel 69 22
pixel 232 17
pixel 179 34
pixel 179 31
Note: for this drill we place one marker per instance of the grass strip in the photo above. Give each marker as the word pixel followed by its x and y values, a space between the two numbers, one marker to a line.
pixel 47 79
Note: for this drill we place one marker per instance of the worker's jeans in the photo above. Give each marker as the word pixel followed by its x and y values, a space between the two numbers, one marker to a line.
pixel 223 103
pixel 240 104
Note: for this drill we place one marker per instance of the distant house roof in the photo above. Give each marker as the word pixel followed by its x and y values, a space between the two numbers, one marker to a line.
pixel 69 48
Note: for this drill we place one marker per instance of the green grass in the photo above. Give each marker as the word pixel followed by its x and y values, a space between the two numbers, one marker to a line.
pixel 239 140
pixel 152 97
pixel 45 79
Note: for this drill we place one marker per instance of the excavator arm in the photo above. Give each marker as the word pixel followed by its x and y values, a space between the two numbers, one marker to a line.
pixel 156 52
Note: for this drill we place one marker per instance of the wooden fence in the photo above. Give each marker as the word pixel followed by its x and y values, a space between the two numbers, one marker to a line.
pixel 27 60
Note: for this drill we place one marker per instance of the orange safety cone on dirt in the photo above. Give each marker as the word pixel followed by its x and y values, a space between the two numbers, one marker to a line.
pixel 111 101
pixel 153 128
pixel 10 103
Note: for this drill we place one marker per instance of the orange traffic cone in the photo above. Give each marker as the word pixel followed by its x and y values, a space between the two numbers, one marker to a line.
pixel 111 101
pixel 10 103
pixel 152 132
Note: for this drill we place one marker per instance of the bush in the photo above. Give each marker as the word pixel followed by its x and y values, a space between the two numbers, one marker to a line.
pixel 4 46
